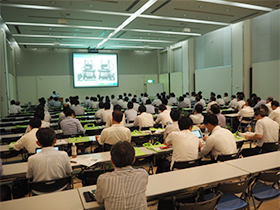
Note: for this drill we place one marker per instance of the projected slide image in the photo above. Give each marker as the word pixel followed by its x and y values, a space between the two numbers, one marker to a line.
pixel 95 70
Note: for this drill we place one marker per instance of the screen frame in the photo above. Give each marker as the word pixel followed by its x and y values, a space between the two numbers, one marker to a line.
pixel 107 86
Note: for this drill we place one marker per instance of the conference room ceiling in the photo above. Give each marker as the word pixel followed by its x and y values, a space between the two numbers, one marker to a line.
pixel 114 24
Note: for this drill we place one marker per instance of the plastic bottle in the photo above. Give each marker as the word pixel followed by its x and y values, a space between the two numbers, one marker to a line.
pixel 74 150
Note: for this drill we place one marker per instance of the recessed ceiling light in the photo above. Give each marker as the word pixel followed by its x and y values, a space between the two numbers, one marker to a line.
pixel 124 2
pixel 209 18
pixel 90 5
pixel 52 2
pixel 50 28
pixel 148 33
pixel 201 6
pixel 50 33
pixel 184 15
pixel 227 10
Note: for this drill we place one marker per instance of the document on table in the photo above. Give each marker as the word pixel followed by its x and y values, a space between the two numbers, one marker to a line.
pixel 85 160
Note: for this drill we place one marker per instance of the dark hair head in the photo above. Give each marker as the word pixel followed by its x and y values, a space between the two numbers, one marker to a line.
pixel 213 94
pixel 112 96
pixel 87 97
pixel 69 112
pixel 117 115
pixel 122 154
pixel 213 98
pixel 233 96
pixel 258 98
pixel 126 98
pixel 101 105
pixel 142 108
pixel 270 98
pixel 120 96
pixel 94 99
pixel 162 107
pixel 181 98
pixel 13 102
pixel 226 94
pixel 260 112
pixel 199 108
pixel 133 100
pixel 175 114
pixel 117 107
pixel 185 122
pixel 240 97
pixel 39 114
pixel 164 101
pixel 250 102
pixel 107 105
pixel 35 122
pixel 46 136
pixel 197 98
pixel 55 98
pixel 130 105
pixel 40 107
pixel 211 119
pixel 275 103
pixel 148 101
pixel 219 96
pixel 215 109
pixel 264 109
pixel 51 97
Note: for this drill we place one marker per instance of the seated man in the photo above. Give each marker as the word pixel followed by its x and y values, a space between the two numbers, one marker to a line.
pixel 157 101
pixel 57 103
pixel 197 117
pixel 87 102
pixel 125 187
pixel 109 121
pixel 226 98
pixel 215 109
pixel 197 101
pixel 135 104
pixel 107 112
pixel 51 102
pixel 175 116
pixel 94 103
pixel 130 113
pixel 49 164
pixel 220 142
pixel 101 109
pixel 266 130
pixel 116 132
pixel 182 103
pixel 14 109
pixel 212 101
pixel 259 103
pixel 233 102
pixel 149 107
pixel 240 102
pixel 220 101
pixel 41 115
pixel 164 116
pixel 70 125
pixel 268 104
pixel 275 114
pixel 78 109
pixel 144 119
pixel 185 144
pixel 28 140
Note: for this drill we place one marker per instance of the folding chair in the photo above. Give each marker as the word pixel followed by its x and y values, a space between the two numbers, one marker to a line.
pixel 89 177
pixel 139 140
pixel 186 164
pixel 229 157
pixel 51 185
pixel 143 161
pixel 10 154
pixel 270 147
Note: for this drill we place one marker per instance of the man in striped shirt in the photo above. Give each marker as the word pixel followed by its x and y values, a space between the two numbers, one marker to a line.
pixel 125 187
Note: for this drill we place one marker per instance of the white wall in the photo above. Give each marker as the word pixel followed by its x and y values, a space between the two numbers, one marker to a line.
pixel 217 80
pixel 266 77
pixel 30 88
pixel 176 83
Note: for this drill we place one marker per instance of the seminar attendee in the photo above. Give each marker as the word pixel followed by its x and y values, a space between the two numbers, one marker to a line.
pixel 130 113
pixel 164 116
pixel 113 100
pixel 157 101
pixel 266 130
pixel 187 100
pixel 145 119
pixel 212 101
pixel 220 142
pixel 101 109
pixel 120 101
pixel 125 102
pixel 185 144
pixel 107 112
pixel 87 102
pixel 215 109
pixel 275 114
pixel 268 104
pixel 28 140
pixel 41 115
pixel 144 98
pixel 240 102
pixel 135 104
pixel 49 164
pixel 226 98
pixel 259 103
pixel 78 109
pixel 175 116
pixel 116 132
pixel 125 187
pixel 51 102
pixel 233 102
pixel 56 103
pixel 149 107
pixel 70 125
pixel 14 109
pixel 109 121
pixel 94 103
pixel 197 117
pixel 220 101
pixel 173 99
pixel 197 101
pixel 62 114
pixel 182 103
pixel 165 101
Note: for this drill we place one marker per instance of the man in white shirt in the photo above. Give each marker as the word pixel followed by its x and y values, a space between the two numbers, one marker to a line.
pixel 41 115
pixel 185 144
pixel 14 109
pixel 78 109
pixel 197 117
pixel 125 102
pixel 101 109
pixel 220 142
pixel 187 100
pixel 120 101
pixel 220 101
pixel 173 99
pixel 197 101
pixel 164 116
pixel 157 101
pixel 113 100
pixel 175 115
pixel 268 104
pixel 212 101
pixel 240 102
pixel 193 97
pixel 109 121
pixel 107 112
pixel 116 132
pixel 226 98
pixel 266 130
pixel 182 103
pixel 144 120
pixel 87 102
pixel 94 103
pixel 28 140
pixel 135 104
pixel 275 114
pixel 144 98
pixel 130 113
pixel 233 102
pixel 149 107
pixel 259 103
pixel 49 164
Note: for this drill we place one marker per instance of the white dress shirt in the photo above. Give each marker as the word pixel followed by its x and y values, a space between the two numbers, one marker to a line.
pixel 239 104
pixel 14 109
pixel 268 128
pixel 94 105
pixel 226 99
pixel 98 114
pixel 275 115
pixel 246 111
pixel 170 128
pixel 209 106
pixel 163 118
pixel 233 102
pixel 104 115
pixel 220 142
pixel 268 105
pixel 114 134
pixel 173 100
pixel 197 118
pixel 79 110
pixel 43 125
pixel 220 101
pixel 28 141
pixel 185 146
pixel 130 114
pixel 157 102
pixel 187 101
pixel 150 108
pixel 136 106
pixel 144 120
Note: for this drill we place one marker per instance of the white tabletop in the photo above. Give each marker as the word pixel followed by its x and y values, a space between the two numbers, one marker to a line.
pixel 257 163
pixel 20 134
pixel 4 148
pixel 88 205
pixel 13 170
pixel 231 115
pixel 68 199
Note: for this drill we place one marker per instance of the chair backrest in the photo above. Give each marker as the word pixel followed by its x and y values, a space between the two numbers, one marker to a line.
pixel 270 176
pixel 235 186
pixel 204 205
pixel 186 164
pixel 83 145
pixel 89 177
pixel 228 157
pixel 139 140
pixel 143 161
pixel 51 185
pixel 167 203
pixel 107 147
pixel 270 147
pixel 9 154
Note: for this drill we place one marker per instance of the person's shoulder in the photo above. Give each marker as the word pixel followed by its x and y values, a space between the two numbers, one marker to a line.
pixel 140 171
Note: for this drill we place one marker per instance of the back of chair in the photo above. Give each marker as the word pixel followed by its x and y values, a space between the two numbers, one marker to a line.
pixel 143 161
pixel 235 186
pixel 270 176
pixel 204 205
pixel 186 164
pixel 89 177
pixel 168 202
pixel 50 186
pixel 9 154
pixel 228 157
pixel 270 147
pixel 107 147
pixel 139 140
pixel 83 145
